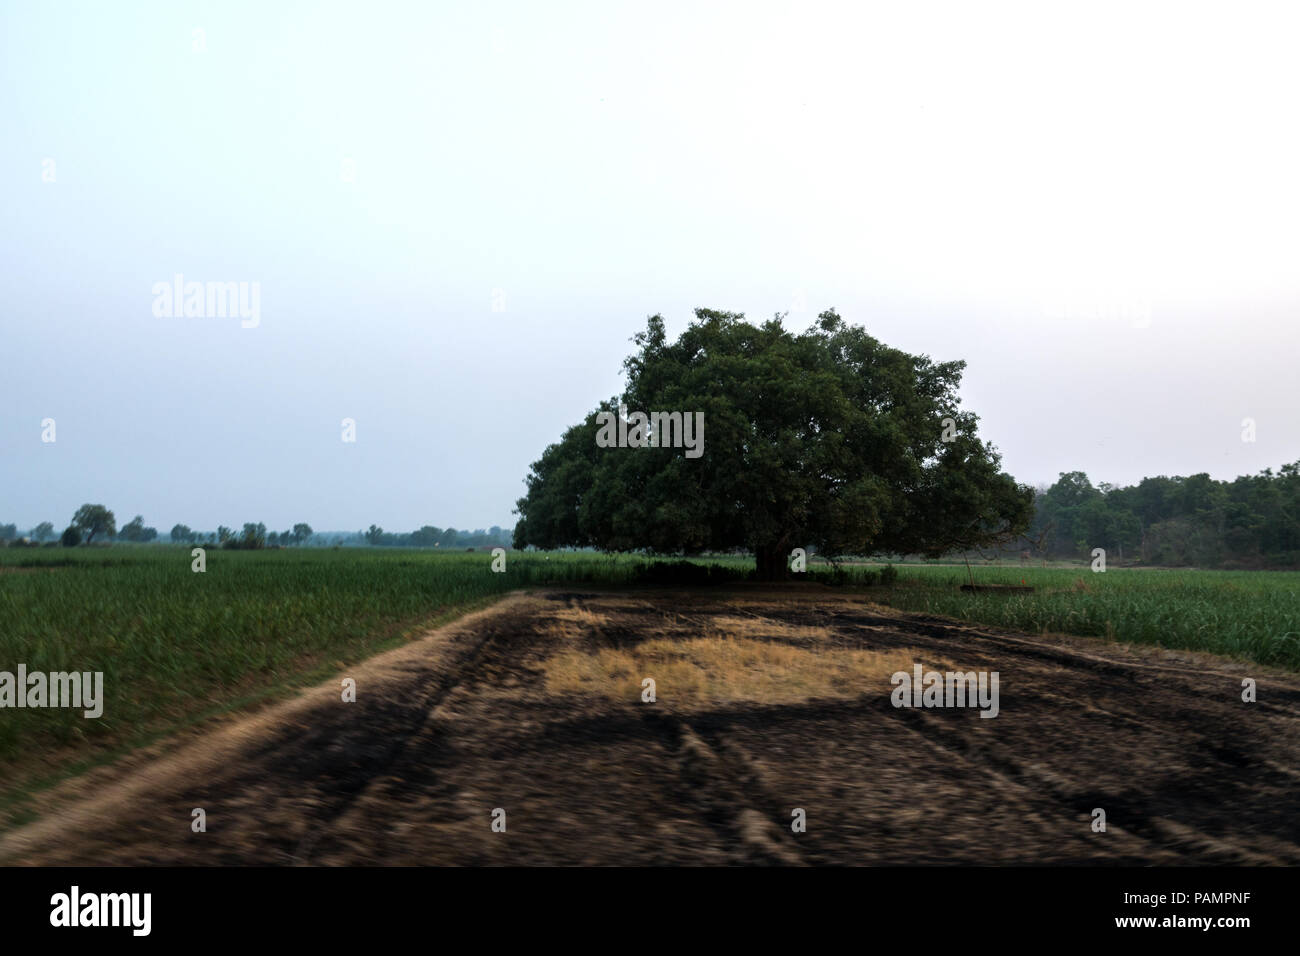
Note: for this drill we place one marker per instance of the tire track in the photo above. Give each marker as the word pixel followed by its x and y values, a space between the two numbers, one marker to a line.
pixel 387 745
pixel 716 784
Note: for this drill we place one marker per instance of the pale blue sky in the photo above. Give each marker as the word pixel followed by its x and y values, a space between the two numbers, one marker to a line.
pixel 1096 210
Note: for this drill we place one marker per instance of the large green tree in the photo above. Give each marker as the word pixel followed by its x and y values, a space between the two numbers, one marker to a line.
pixel 826 439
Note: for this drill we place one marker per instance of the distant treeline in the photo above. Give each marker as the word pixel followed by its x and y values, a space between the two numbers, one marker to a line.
pixel 431 536
pixel 96 524
pixel 1249 522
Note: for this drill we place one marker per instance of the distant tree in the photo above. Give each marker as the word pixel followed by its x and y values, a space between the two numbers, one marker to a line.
pixel 252 538
pixel 273 539
pixel 93 520
pixel 181 532
pixel 301 532
pixel 223 534
pixel 133 530
pixel 44 532
pixel 1105 526
pixel 71 537
pixel 375 535
pixel 8 532
pixel 426 537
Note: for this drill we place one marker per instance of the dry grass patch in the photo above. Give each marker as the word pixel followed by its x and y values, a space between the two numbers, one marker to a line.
pixel 725 669
pixel 755 626
pixel 572 623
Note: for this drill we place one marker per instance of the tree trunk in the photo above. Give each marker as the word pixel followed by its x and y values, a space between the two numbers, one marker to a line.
pixel 771 561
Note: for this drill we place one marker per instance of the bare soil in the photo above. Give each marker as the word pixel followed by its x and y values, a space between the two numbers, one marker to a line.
pixel 779 700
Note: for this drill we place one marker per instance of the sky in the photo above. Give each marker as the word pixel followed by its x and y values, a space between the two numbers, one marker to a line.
pixel 456 216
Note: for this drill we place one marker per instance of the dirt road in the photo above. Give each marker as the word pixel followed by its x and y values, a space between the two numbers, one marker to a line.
pixel 766 704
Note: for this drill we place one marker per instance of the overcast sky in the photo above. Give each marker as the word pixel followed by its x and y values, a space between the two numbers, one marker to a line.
pixel 458 214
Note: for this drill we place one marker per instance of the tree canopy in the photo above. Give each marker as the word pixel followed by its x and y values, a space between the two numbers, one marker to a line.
pixel 135 530
pixel 826 439
pixel 91 520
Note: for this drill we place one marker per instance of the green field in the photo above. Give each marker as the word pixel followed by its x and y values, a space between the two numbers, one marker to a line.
pixel 1253 615
pixel 176 647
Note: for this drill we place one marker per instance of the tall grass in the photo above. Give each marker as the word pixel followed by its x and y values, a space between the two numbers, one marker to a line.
pixel 1254 615
pixel 172 643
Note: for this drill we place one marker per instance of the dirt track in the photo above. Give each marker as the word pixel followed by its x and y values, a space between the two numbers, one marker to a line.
pixel 469 719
